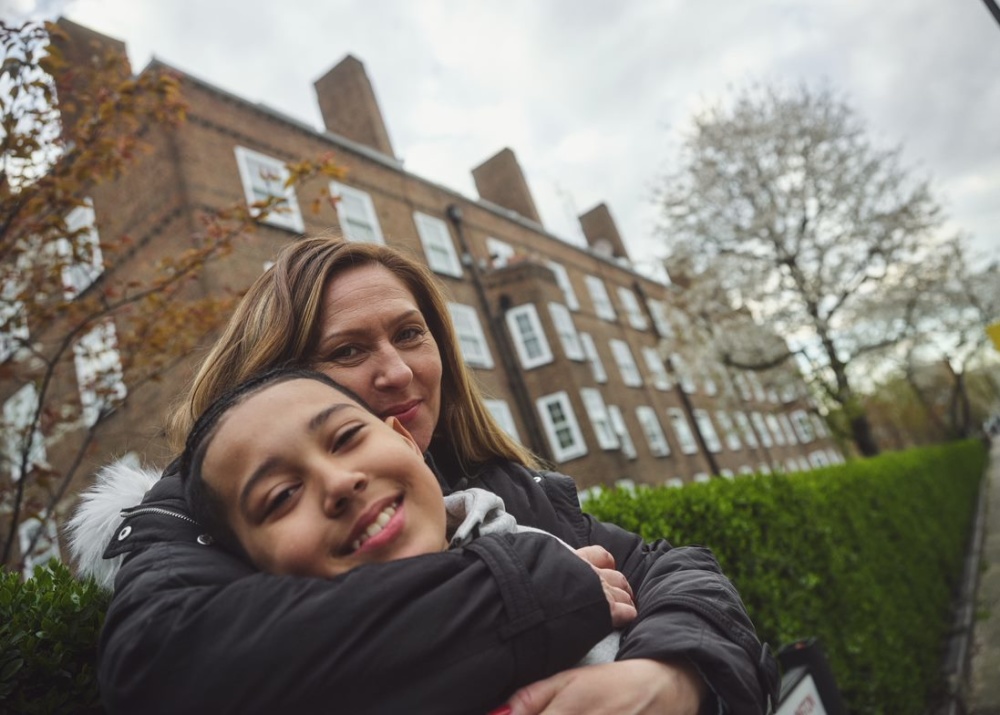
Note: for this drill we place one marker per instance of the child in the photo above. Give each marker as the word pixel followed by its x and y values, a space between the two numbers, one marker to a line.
pixel 293 472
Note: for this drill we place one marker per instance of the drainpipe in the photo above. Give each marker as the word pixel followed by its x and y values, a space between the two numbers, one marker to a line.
pixel 515 380
pixel 685 400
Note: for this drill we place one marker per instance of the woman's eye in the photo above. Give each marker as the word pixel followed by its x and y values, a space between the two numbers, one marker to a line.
pixel 410 334
pixel 345 353
pixel 344 437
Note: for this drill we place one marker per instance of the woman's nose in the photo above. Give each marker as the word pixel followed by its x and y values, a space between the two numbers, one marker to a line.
pixel 340 487
pixel 392 372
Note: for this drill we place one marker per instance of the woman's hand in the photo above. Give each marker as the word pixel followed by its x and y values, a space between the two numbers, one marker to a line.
pixel 616 587
pixel 625 687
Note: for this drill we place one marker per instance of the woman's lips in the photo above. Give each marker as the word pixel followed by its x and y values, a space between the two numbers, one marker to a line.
pixel 404 413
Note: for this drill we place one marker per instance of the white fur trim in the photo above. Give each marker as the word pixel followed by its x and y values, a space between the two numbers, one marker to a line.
pixel 117 486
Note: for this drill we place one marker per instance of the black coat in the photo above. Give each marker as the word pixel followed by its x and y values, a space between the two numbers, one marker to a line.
pixel 193 629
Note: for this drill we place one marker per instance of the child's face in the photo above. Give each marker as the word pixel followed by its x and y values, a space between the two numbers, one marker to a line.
pixel 315 485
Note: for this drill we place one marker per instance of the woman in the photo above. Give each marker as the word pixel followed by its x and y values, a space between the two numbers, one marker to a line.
pixel 190 625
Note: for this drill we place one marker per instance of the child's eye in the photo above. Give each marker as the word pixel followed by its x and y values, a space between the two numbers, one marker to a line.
pixel 280 498
pixel 344 436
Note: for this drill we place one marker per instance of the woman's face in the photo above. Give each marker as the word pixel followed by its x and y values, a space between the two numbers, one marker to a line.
pixel 375 341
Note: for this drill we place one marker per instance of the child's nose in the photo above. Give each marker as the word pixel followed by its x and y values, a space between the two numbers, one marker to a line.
pixel 340 487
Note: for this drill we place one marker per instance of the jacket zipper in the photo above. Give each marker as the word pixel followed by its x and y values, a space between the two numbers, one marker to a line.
pixel 132 511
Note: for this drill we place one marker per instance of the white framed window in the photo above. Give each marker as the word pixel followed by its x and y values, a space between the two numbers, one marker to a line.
pixel 727 473
pixel 701 478
pixel 438 246
pixel 561 426
pixel 683 431
pixel 661 380
pixel 18 417
pixel 729 430
pixel 82 259
pixel 504 417
pixel 674 483
pixel 99 371
pixel 13 327
pixel 264 179
pixel 775 427
pixel 39 542
pixel 562 279
pixel 788 393
pixel 622 354
pixel 818 459
pixel 772 396
pixel 566 330
pixel 707 429
pixel 593 403
pixel 820 424
pixel 803 426
pixel 742 386
pixel 710 387
pixel 661 318
pixel 746 469
pixel 834 456
pixel 500 252
pixel 804 465
pixel 621 429
pixel 683 373
pixel 761 427
pixel 356 214
pixel 791 465
pixel 629 301
pixel 764 468
pixel 590 350
pixel 603 307
pixel 748 434
pixel 786 427
pixel 475 349
pixel 759 393
pixel 653 431
pixel 529 336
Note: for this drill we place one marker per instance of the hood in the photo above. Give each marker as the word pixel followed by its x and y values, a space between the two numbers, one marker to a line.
pixel 117 486
pixel 475 512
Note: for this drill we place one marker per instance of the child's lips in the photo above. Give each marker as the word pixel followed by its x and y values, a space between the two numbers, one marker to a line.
pixel 378 525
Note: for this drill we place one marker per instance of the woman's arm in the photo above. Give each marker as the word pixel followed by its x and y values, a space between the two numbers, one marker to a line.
pixel 689 613
pixel 192 629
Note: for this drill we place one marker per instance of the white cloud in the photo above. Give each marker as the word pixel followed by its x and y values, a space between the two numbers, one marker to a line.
pixel 592 95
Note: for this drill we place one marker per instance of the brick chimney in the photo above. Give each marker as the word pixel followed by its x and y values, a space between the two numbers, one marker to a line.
pixel 87 57
pixel 601 232
pixel 349 108
pixel 500 180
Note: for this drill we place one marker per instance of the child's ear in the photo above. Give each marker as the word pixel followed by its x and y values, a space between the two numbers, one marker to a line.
pixel 398 427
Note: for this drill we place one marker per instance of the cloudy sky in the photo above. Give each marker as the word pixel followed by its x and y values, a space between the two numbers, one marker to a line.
pixel 593 95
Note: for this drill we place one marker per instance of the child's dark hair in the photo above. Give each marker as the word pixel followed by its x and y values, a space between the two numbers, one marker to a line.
pixel 206 506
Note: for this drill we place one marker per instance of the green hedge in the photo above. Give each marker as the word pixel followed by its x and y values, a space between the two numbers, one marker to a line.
pixel 864 556
pixel 49 626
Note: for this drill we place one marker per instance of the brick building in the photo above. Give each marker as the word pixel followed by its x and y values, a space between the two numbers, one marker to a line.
pixel 570 343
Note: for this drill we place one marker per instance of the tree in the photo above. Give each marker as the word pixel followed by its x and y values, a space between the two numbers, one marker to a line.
pixel 782 210
pixel 83 325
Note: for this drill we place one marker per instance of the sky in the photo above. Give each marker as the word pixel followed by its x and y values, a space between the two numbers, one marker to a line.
pixel 595 96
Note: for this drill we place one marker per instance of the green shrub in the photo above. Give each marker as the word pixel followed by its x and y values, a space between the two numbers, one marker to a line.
pixel 864 556
pixel 49 626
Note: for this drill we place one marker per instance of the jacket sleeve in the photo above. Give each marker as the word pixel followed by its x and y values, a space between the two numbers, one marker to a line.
pixel 191 629
pixel 687 610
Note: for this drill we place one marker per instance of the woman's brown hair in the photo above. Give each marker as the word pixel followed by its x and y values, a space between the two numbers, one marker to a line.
pixel 277 323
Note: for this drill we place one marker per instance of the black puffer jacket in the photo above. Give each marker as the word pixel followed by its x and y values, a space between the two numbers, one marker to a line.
pixel 193 629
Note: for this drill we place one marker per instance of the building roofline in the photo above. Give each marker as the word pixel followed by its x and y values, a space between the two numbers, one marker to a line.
pixel 391 163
